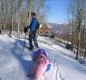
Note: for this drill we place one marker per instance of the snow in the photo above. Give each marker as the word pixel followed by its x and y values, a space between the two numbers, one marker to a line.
pixel 15 63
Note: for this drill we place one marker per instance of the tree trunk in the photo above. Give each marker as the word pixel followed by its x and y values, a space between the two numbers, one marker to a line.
pixel 19 18
pixel 29 12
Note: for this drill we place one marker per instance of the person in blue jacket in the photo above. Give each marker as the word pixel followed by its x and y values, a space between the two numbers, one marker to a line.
pixel 32 32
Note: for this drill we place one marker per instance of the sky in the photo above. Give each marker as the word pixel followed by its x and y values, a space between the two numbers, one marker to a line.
pixel 58 11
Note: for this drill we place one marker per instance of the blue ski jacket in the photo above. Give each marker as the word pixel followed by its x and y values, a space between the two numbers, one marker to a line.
pixel 33 24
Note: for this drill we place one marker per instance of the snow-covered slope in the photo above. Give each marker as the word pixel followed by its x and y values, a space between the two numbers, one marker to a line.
pixel 16 63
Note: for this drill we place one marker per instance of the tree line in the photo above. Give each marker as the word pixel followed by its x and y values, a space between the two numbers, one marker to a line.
pixel 77 25
pixel 16 14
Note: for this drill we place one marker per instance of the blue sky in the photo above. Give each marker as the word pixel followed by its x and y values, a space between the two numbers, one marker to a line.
pixel 58 11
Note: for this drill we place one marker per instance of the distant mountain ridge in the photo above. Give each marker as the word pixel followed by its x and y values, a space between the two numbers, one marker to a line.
pixel 57 28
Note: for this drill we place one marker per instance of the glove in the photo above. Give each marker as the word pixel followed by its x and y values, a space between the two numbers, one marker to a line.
pixel 25 29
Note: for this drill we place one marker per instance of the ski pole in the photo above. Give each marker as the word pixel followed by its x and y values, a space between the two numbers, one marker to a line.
pixel 24 42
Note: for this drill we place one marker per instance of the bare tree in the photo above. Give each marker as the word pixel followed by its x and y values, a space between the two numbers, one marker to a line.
pixel 1 2
pixel 19 18
pixel 77 14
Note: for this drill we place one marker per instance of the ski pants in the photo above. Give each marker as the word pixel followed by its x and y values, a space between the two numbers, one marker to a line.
pixel 32 37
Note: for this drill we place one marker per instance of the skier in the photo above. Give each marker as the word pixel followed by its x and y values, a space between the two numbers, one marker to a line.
pixel 40 65
pixel 34 25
